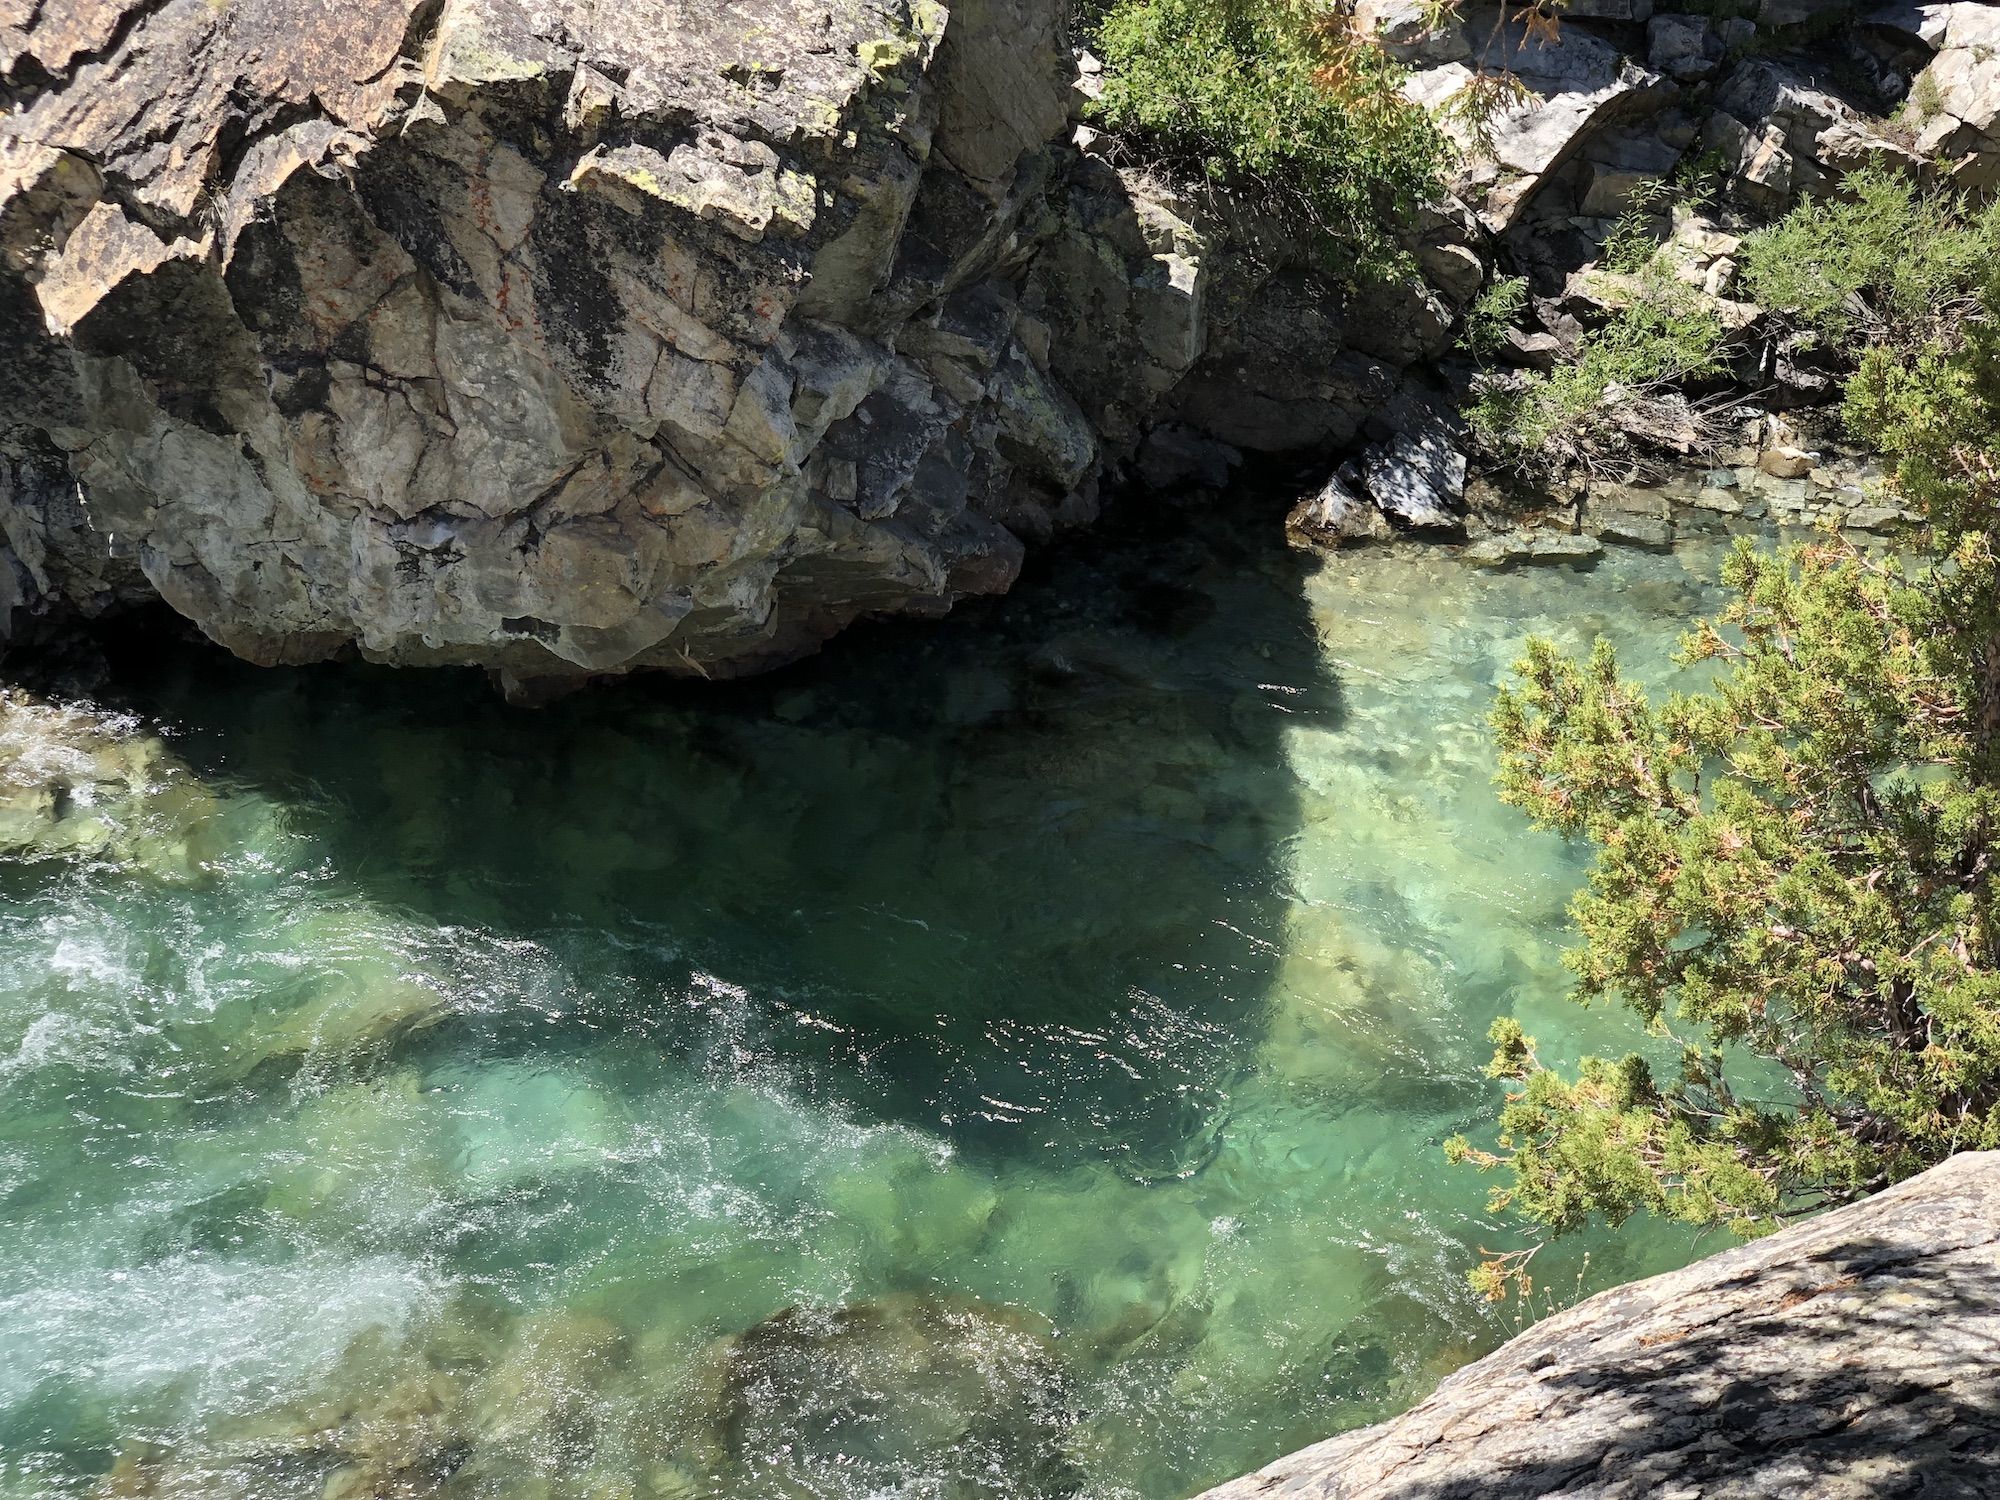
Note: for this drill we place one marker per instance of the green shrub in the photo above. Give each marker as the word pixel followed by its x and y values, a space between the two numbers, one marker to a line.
pixel 1274 99
pixel 1631 242
pixel 1699 180
pixel 1581 412
pixel 1797 867
pixel 1497 308
pixel 1887 262
pixel 1926 98
pixel 1634 240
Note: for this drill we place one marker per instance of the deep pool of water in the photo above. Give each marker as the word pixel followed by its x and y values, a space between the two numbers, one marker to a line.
pixel 1005 1059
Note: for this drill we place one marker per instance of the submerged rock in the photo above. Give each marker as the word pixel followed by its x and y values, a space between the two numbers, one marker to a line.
pixel 857 1399
pixel 1514 548
pixel 923 1210
pixel 1634 530
pixel 536 1404
pixel 1851 1356
pixel 78 783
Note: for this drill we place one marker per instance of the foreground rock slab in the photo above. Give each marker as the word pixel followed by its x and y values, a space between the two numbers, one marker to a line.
pixel 1857 1355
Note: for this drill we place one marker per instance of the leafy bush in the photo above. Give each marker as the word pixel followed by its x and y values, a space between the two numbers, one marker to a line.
pixel 1623 375
pixel 1496 309
pixel 1276 99
pixel 1888 262
pixel 1926 97
pixel 1632 241
pixel 1792 891
pixel 1698 181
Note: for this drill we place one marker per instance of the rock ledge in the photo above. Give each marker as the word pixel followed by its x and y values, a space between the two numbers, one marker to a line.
pixel 1857 1355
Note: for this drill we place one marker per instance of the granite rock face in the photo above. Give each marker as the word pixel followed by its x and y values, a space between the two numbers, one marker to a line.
pixel 562 339
pixel 1955 100
pixel 570 338
pixel 552 338
pixel 1573 86
pixel 1852 1357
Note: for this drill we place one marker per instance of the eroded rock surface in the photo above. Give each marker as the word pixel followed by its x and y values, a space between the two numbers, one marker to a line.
pixel 1955 100
pixel 1573 85
pixel 1852 1357
pixel 570 338
pixel 560 338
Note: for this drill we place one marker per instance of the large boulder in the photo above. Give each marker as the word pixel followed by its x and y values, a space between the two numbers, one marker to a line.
pixel 1416 466
pixel 1851 1357
pixel 1573 85
pixel 1293 364
pixel 1408 31
pixel 1684 47
pixel 1336 513
pixel 560 338
pixel 1167 308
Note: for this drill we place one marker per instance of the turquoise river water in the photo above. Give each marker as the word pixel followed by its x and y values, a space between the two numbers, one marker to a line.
pixel 1004 1059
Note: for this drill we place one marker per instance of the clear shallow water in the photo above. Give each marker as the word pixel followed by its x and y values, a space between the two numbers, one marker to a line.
pixel 1005 1058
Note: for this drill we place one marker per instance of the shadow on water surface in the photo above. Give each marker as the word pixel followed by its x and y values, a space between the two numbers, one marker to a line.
pixel 1001 1059
pixel 760 1086
pixel 1016 875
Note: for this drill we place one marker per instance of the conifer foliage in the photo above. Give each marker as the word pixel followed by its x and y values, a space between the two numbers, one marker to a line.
pixel 1794 885
pixel 1282 101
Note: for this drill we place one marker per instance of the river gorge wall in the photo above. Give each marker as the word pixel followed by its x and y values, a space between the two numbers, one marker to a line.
pixel 574 339
pixel 569 339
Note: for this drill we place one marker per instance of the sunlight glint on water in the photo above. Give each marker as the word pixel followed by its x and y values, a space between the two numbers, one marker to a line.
pixel 1003 1059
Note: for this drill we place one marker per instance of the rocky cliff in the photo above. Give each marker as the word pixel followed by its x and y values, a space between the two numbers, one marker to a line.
pixel 559 338
pixel 1637 146
pixel 582 336
pixel 571 338
pixel 1853 1357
